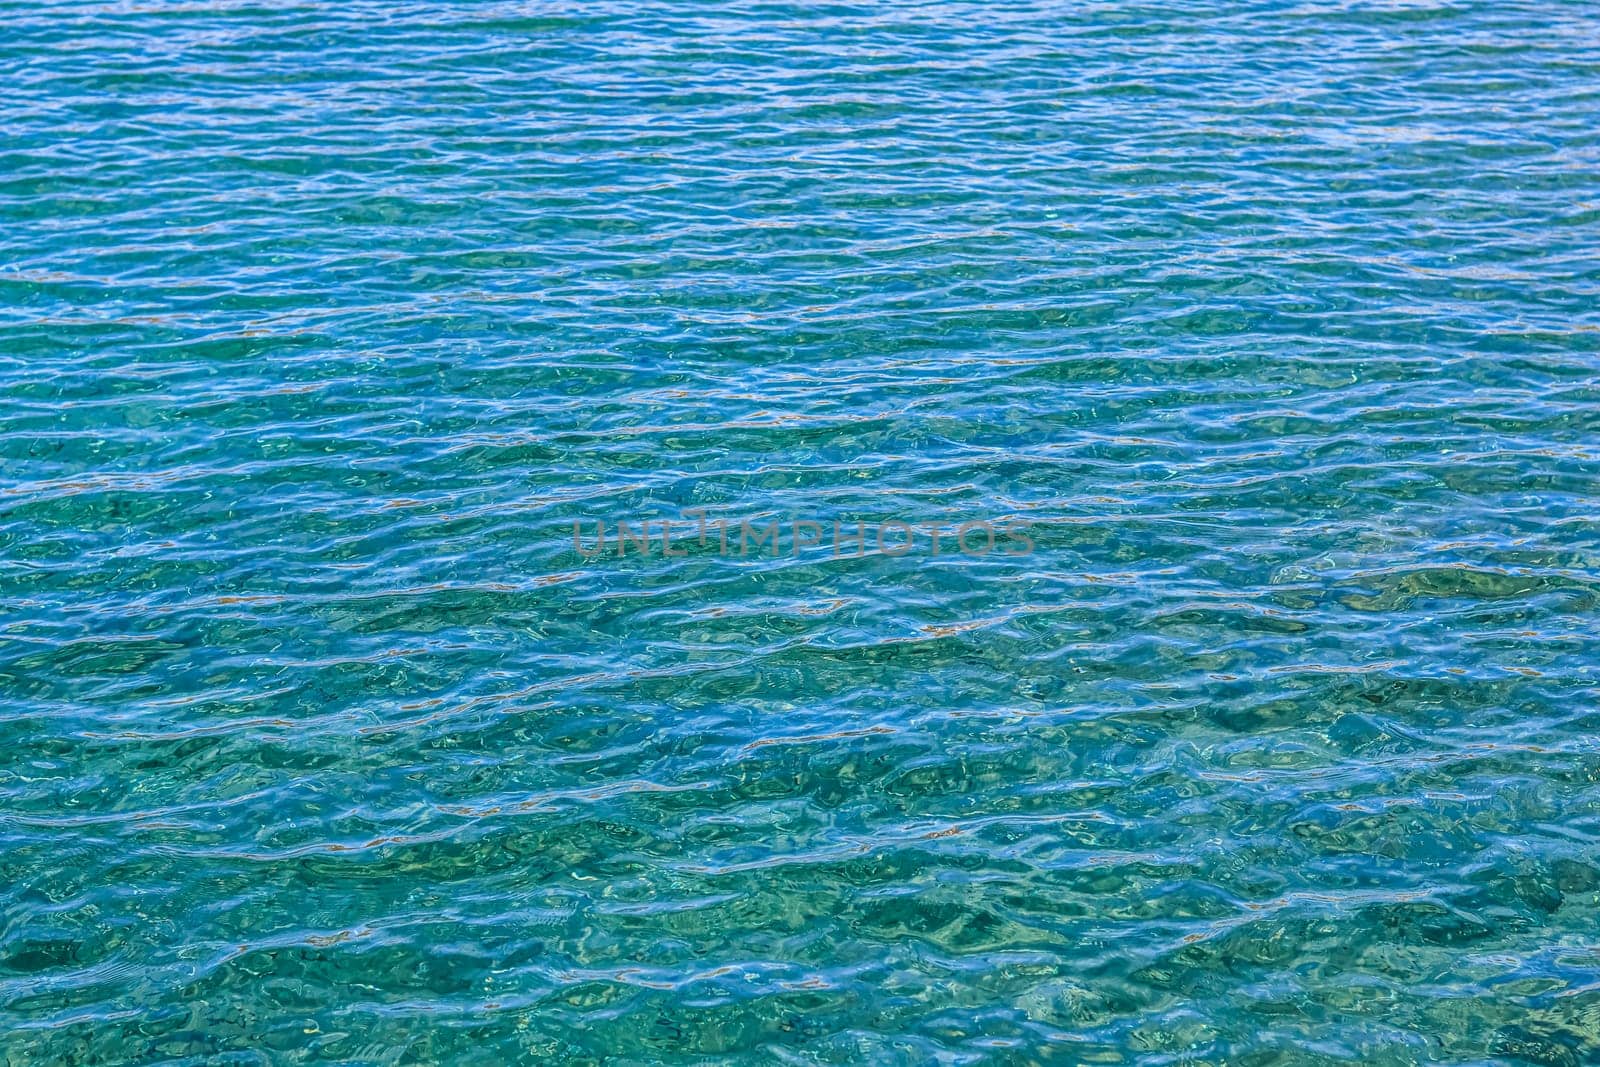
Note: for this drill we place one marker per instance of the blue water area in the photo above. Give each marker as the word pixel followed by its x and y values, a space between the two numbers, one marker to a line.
pixel 800 533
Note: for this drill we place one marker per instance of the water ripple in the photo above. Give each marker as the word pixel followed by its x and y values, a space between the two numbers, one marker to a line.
pixel 324 325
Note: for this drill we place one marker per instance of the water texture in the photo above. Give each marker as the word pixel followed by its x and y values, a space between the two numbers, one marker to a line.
pixel 322 324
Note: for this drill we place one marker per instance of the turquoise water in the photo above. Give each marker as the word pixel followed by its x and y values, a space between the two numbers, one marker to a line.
pixel 1270 331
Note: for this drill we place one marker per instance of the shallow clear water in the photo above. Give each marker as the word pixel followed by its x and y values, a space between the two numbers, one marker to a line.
pixel 1272 739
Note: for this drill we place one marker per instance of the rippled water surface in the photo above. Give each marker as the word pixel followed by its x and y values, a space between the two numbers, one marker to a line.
pixel 1272 740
